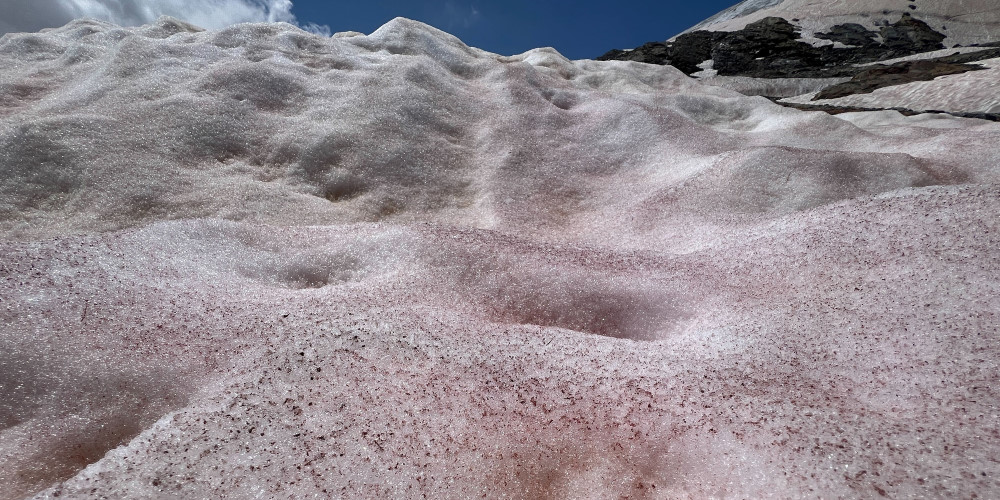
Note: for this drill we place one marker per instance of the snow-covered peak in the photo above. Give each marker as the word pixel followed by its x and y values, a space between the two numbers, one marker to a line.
pixel 737 11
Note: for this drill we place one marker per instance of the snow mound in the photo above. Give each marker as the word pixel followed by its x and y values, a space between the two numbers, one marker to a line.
pixel 260 263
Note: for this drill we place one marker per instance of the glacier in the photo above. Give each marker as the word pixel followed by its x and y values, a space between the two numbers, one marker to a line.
pixel 260 263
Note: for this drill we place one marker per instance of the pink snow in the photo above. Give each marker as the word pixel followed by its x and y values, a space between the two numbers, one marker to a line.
pixel 259 263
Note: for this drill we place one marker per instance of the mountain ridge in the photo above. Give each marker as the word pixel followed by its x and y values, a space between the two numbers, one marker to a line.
pixel 747 42
pixel 964 22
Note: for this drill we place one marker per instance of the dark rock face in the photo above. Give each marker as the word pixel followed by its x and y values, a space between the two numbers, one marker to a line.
pixel 691 49
pixel 836 110
pixel 849 34
pixel 878 76
pixel 910 36
pixel 770 48
pixel 897 74
pixel 685 53
pixel 650 53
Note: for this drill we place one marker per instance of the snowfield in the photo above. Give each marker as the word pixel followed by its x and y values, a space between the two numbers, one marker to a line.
pixel 260 263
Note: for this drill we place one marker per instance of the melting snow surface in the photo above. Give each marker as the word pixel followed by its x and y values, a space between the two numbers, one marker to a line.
pixel 258 263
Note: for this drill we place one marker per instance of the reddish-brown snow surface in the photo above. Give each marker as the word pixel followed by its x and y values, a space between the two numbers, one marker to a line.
pixel 257 263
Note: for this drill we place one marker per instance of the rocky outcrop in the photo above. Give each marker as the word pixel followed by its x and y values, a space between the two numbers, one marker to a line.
pixel 849 34
pixel 689 50
pixel 836 110
pixel 773 48
pixel 768 48
pixel 897 74
pixel 650 53
pixel 685 53
pixel 910 36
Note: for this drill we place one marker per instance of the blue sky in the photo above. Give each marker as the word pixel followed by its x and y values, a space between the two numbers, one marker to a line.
pixel 578 29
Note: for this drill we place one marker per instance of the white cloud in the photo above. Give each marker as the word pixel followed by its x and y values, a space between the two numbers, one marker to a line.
pixel 32 15
pixel 460 14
